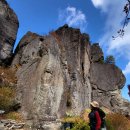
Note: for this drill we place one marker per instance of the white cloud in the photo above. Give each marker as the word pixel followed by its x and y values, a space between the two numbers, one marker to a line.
pixel 115 16
pixel 102 4
pixel 73 17
pixel 120 47
pixel 98 3
pixel 127 69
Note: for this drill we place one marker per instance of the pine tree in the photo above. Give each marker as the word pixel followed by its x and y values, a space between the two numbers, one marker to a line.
pixel 110 59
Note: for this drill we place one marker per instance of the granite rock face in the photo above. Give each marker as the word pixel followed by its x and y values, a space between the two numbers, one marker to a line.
pixel 8 30
pixel 107 80
pixel 96 53
pixel 107 77
pixel 53 74
pixel 58 73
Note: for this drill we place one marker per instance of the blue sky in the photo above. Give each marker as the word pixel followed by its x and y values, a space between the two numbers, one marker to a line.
pixel 101 19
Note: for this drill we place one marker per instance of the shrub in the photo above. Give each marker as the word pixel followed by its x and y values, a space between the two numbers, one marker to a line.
pixel 110 59
pixel 14 116
pixel 7 95
pixel 114 121
pixel 81 125
pixel 101 60
pixel 8 73
pixel 84 115
pixel 78 123
pixel 117 122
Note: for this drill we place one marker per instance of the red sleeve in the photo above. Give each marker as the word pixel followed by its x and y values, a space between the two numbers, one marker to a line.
pixel 98 125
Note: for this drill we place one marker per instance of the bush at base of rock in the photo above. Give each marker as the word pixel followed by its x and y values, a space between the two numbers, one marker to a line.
pixel 116 121
pixel 77 123
pixel 81 125
pixel 14 116
pixel 7 95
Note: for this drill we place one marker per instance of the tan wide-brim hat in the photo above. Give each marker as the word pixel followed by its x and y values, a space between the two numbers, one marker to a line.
pixel 94 104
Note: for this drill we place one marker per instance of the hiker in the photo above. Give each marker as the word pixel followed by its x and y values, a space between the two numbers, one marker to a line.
pixel 102 116
pixel 94 117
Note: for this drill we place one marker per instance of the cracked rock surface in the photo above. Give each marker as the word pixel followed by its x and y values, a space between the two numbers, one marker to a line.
pixel 8 31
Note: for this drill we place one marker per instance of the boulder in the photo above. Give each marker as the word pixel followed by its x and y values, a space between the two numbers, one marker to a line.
pixel 107 80
pixel 8 31
pixel 107 77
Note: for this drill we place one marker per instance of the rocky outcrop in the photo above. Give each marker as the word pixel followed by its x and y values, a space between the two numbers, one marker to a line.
pixel 11 125
pixel 61 72
pixel 53 74
pixel 107 77
pixel 8 30
pixel 96 53
pixel 107 80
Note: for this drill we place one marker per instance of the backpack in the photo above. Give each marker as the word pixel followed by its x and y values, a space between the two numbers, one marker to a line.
pixel 102 116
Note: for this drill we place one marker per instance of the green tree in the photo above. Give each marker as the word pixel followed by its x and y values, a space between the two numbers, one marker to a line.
pixel 110 59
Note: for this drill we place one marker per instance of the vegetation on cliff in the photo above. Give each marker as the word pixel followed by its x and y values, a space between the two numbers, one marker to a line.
pixel 114 121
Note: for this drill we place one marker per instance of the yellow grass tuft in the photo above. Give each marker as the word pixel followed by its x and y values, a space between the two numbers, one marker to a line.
pixel 7 95
pixel 14 116
pixel 117 121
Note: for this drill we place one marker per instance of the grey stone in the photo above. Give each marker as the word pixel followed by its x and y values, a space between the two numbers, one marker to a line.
pixel 107 80
pixel 57 74
pixel 2 111
pixel 96 53
pixel 8 30
pixel 60 74
pixel 107 77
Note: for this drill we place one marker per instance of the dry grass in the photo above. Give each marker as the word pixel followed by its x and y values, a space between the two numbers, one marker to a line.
pixel 8 74
pixel 7 95
pixel 85 115
pixel 117 122
pixel 14 116
pixel 71 119
pixel 114 121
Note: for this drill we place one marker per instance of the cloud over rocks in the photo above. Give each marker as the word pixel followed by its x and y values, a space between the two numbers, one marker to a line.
pixel 102 4
pixel 120 47
pixel 73 17
pixel 114 21
pixel 127 69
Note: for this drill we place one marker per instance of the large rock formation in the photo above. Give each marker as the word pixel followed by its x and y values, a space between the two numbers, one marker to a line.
pixel 107 80
pixel 8 30
pixel 62 72
pixel 53 75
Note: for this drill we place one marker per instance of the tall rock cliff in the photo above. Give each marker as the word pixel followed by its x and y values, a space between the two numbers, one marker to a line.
pixel 53 76
pixel 8 30
pixel 63 72
pixel 106 81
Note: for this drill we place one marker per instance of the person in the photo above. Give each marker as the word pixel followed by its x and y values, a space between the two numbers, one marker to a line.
pixel 94 117
pixel 102 116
